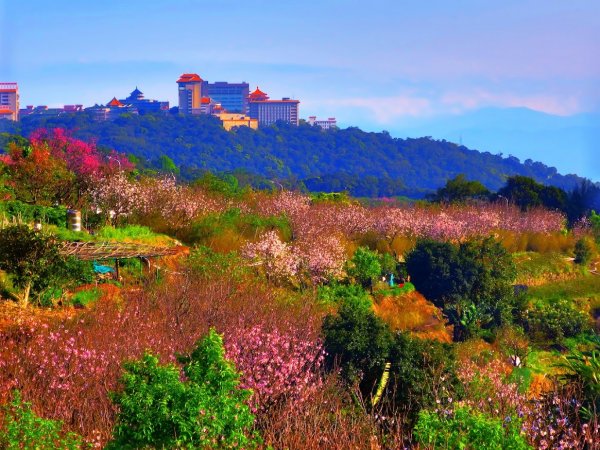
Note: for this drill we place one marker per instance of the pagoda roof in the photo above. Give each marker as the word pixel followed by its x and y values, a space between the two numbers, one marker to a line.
pixel 6 111
pixel 136 93
pixel 189 77
pixel 258 95
pixel 205 100
pixel 114 102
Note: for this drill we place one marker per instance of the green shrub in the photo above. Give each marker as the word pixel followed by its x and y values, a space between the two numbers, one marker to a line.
pixel 226 185
pixel 358 341
pixel 338 294
pixel 34 262
pixel 364 266
pixel 583 369
pixel 84 298
pixel 470 282
pixel 207 263
pixel 331 197
pixel 583 252
pixel 65 234
pixel 23 429
pixel 422 370
pixel 466 429
pixel 130 233
pixel 555 320
pixel 208 410
pixel 595 223
pixel 53 215
pixel 397 290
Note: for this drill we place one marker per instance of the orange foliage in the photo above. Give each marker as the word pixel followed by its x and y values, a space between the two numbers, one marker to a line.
pixel 540 384
pixel 412 312
pixel 403 244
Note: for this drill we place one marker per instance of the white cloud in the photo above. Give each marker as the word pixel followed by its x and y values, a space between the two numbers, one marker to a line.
pixel 387 109
pixel 479 98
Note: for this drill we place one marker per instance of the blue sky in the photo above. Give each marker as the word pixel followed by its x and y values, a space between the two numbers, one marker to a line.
pixel 459 70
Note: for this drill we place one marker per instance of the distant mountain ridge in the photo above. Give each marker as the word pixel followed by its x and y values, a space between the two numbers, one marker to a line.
pixel 363 163
pixel 568 142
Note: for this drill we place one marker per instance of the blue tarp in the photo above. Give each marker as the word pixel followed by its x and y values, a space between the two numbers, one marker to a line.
pixel 99 268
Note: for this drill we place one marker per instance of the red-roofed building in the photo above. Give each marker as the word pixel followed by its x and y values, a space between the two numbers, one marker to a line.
pixel 207 105
pixel 189 78
pixel 9 101
pixel 258 96
pixel 114 103
pixel 268 112
pixel 112 110
pixel 190 93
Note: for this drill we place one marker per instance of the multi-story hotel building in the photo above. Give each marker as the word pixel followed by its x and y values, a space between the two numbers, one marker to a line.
pixel 270 111
pixel 9 101
pixel 190 93
pixel 233 97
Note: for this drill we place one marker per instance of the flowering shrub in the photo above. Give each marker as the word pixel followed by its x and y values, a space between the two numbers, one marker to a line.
pixel 320 259
pixel 274 256
pixel 276 365
pixel 156 202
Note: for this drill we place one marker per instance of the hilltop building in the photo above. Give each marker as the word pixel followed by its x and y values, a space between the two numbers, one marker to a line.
pixel 143 105
pixel 190 93
pixel 111 111
pixel 9 101
pixel 207 106
pixel 231 120
pixel 233 97
pixel 43 110
pixel 324 124
pixel 268 111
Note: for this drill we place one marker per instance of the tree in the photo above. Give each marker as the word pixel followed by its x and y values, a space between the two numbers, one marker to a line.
pixel 459 189
pixel 167 165
pixel 35 176
pixel 32 259
pixel 582 199
pixel 583 251
pixel 522 191
pixel 359 342
pixel 595 224
pixel 528 193
pixel 364 266
pixel 421 372
pixel 158 410
pixel 470 282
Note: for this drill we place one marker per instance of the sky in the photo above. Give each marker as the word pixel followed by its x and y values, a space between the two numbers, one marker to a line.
pixel 518 77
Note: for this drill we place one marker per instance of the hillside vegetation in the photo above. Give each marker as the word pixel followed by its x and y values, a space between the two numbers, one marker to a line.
pixel 364 164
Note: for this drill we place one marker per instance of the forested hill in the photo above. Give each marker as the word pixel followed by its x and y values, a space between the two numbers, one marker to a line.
pixel 366 164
